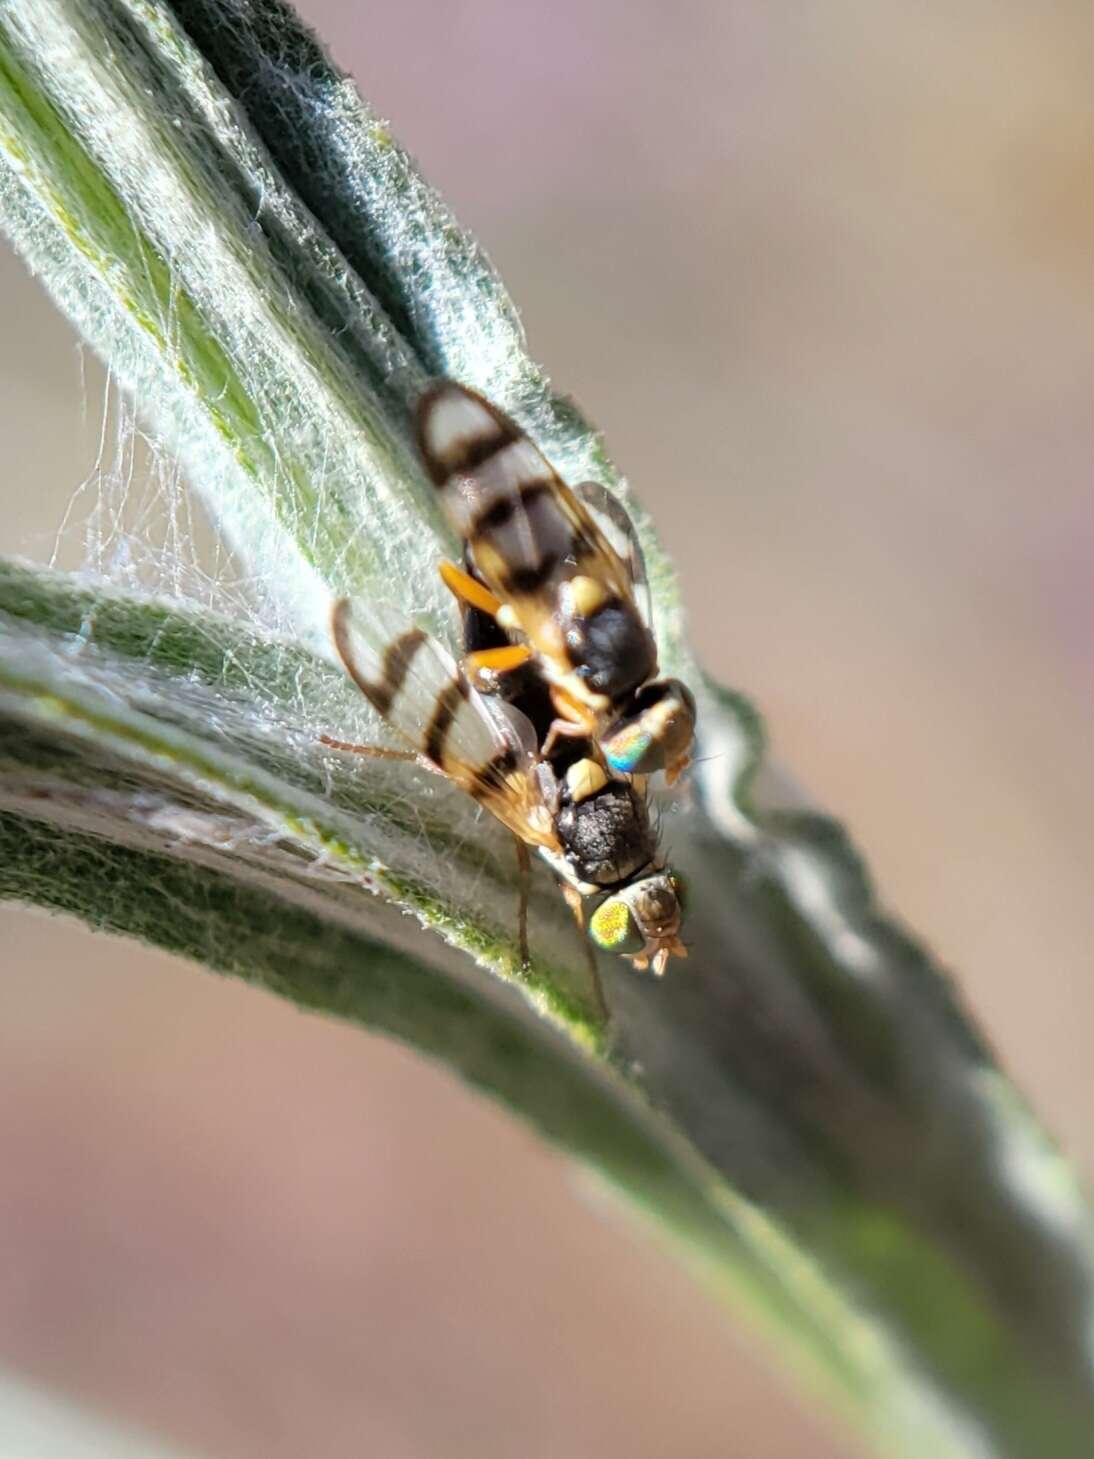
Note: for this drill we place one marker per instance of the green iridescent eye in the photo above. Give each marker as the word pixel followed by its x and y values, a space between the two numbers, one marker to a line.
pixel 613 928
pixel 629 748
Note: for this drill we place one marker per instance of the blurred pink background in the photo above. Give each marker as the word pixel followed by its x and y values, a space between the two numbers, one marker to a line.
pixel 824 274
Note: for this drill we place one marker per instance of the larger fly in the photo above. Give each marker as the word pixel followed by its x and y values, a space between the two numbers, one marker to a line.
pixel 561 572
pixel 592 828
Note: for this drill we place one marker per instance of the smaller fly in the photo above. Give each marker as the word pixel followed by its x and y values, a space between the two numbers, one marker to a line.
pixel 561 571
pixel 592 829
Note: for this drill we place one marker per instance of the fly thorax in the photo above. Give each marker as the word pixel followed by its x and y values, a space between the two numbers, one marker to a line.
pixel 606 833
pixel 607 642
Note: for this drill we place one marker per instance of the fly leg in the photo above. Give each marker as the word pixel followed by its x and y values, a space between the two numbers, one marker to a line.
pixel 466 589
pixel 576 904
pixel 484 665
pixel 381 752
pixel 573 720
pixel 563 729
pixel 496 660
pixel 377 752
pixel 524 874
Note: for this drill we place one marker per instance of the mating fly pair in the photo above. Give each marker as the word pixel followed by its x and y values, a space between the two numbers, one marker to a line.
pixel 552 709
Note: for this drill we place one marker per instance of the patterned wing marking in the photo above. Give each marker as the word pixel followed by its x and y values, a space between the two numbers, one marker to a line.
pixel 526 529
pixel 412 682
pixel 613 519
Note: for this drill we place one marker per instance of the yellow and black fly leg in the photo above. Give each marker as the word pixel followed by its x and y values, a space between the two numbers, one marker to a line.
pixel 524 880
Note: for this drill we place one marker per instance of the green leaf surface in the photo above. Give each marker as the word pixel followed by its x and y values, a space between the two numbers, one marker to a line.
pixel 804 1105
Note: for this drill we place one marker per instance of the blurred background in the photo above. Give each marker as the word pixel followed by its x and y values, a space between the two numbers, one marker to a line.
pixel 824 274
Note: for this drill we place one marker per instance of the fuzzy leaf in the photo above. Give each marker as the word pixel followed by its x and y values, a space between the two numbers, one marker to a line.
pixel 804 1105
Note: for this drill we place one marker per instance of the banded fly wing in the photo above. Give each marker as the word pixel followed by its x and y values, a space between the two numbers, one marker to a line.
pixel 613 519
pixel 416 687
pixel 526 529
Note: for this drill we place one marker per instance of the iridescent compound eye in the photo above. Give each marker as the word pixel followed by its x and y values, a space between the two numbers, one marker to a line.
pixel 627 749
pixel 656 734
pixel 641 921
pixel 613 928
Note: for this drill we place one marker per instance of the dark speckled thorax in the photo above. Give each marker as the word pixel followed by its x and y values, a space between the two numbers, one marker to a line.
pixel 606 837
